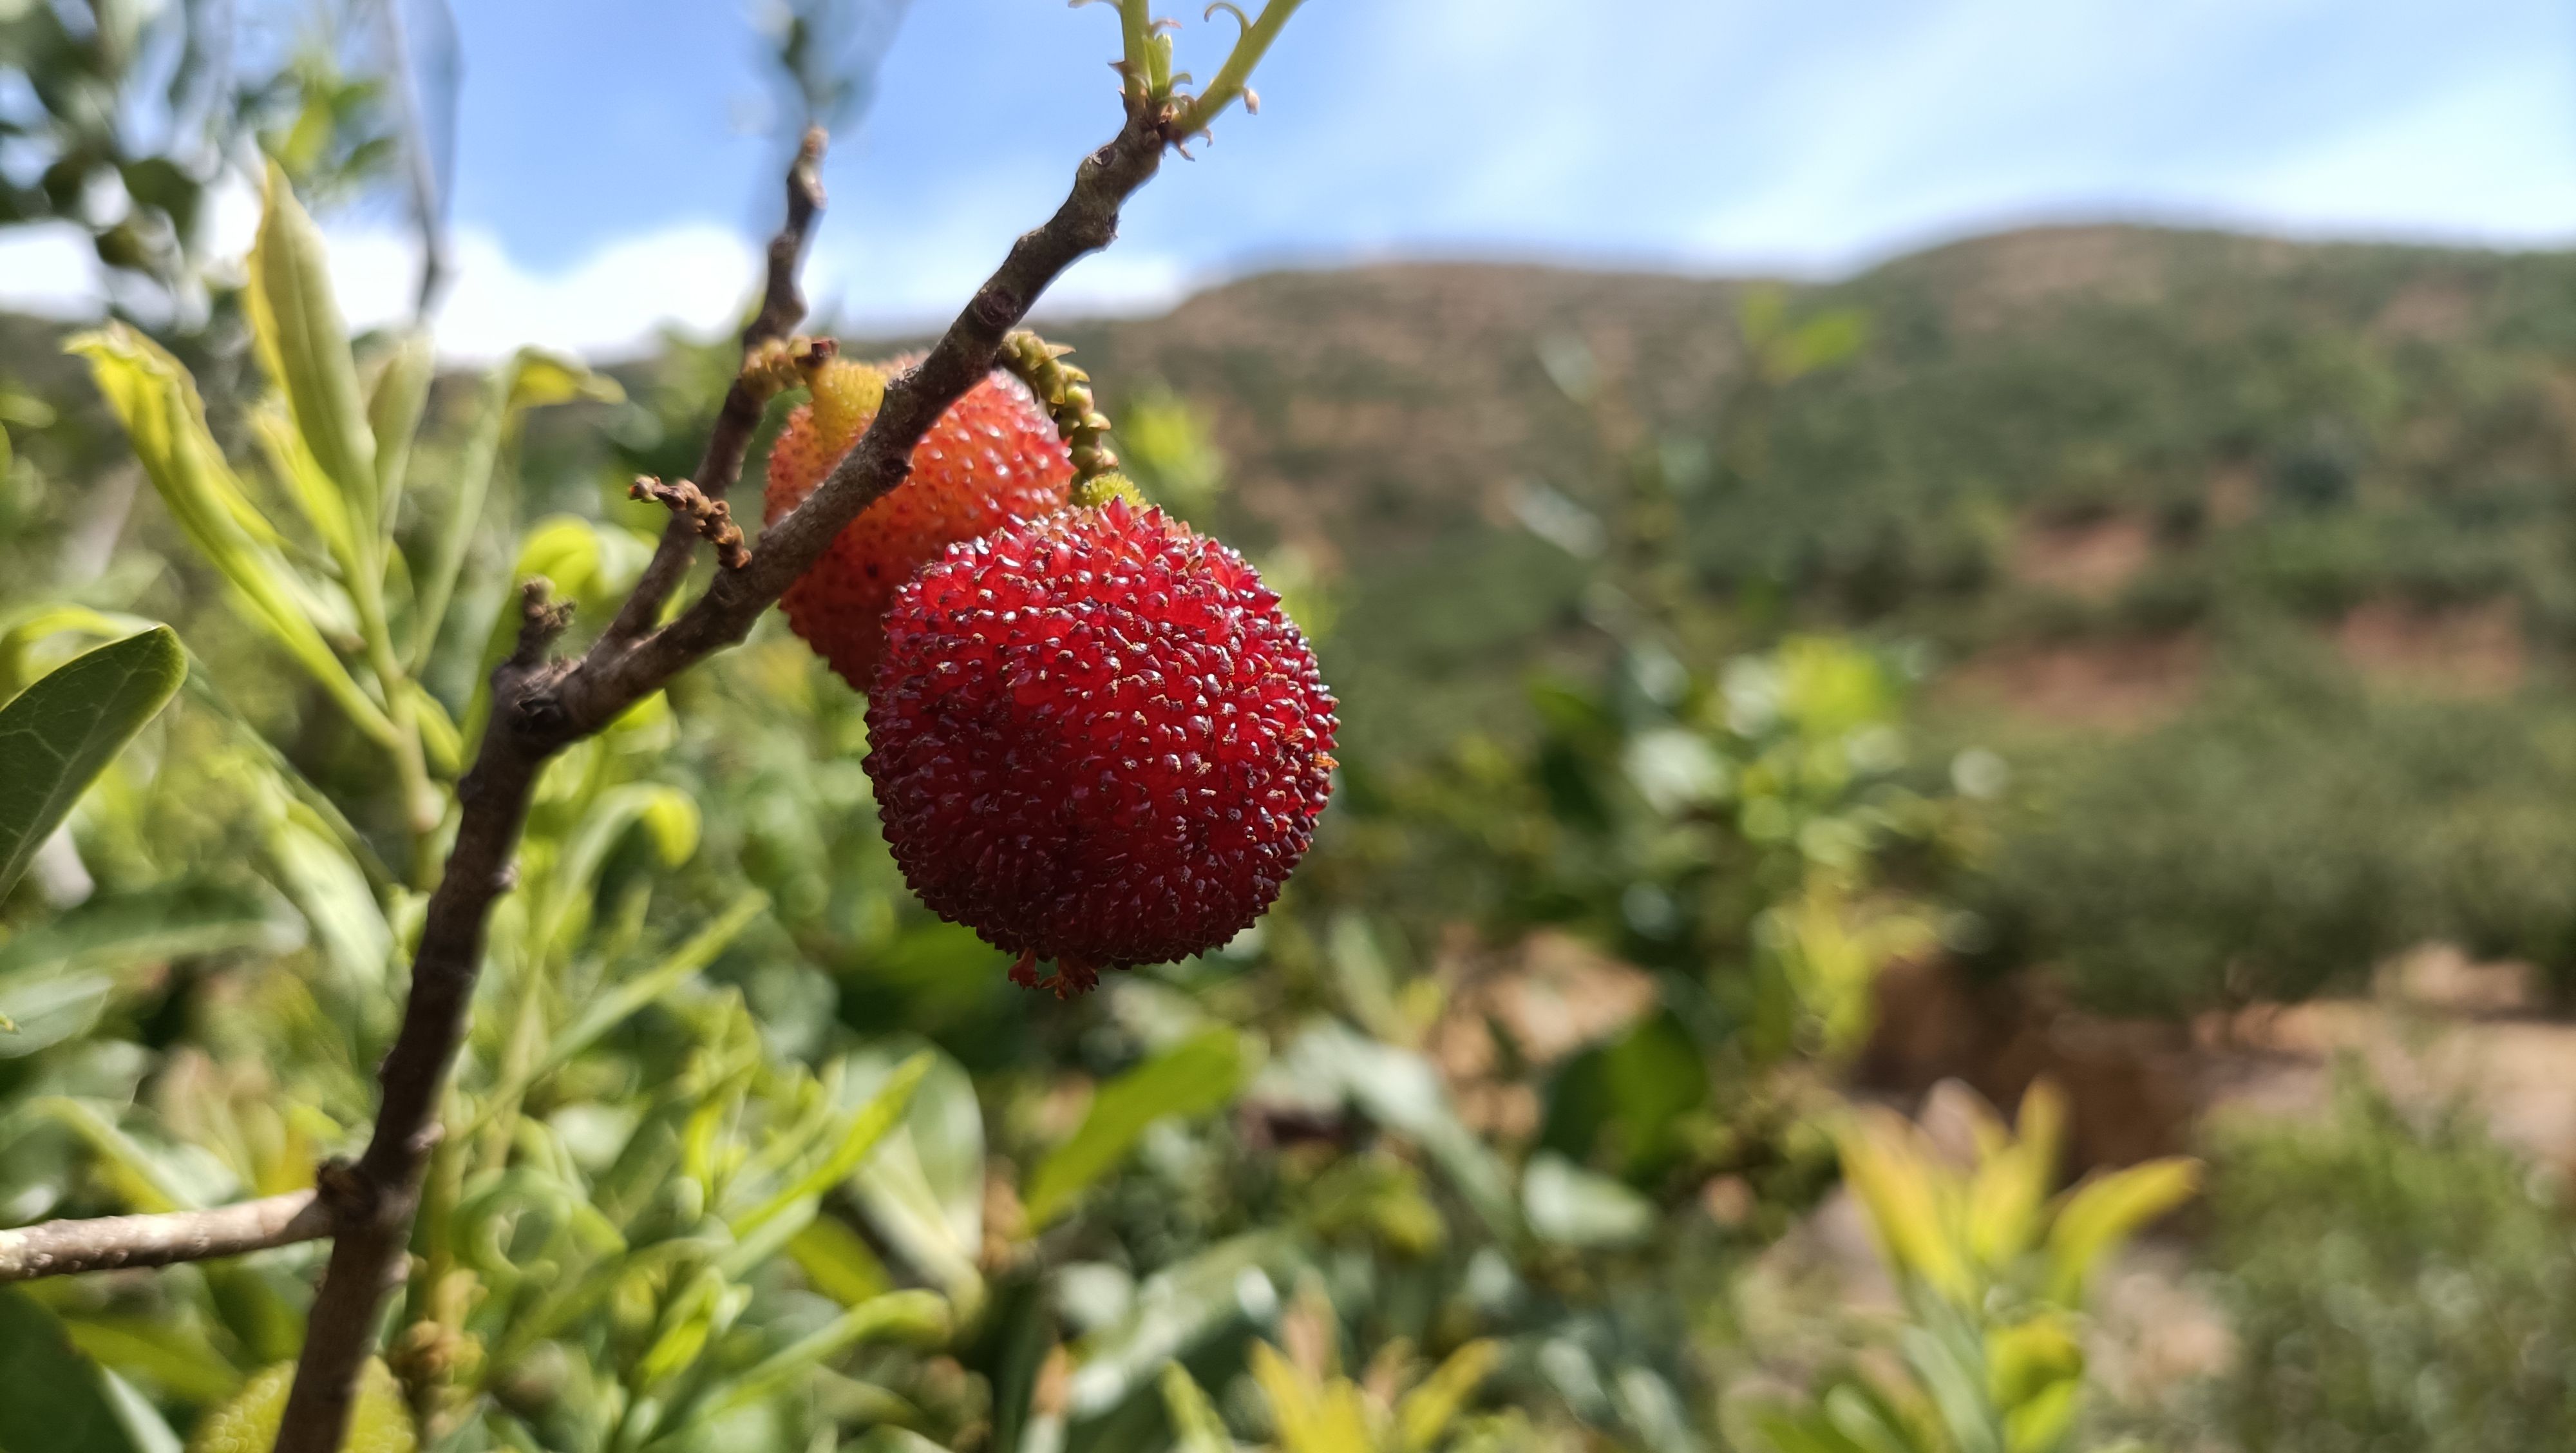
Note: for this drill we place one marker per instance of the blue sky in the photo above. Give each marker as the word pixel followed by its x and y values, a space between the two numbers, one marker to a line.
pixel 615 159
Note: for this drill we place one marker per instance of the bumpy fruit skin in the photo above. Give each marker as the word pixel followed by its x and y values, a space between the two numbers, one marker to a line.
pixel 380 1423
pixel 994 457
pixel 1096 739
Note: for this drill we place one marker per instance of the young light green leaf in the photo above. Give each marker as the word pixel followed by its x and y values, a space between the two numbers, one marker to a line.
pixel 315 493
pixel 1196 1427
pixel 305 346
pixel 163 416
pixel 394 408
pixel 1428 1410
pixel 168 1353
pixel 1191 1078
pixel 838 1262
pixel 59 734
pixel 2100 1214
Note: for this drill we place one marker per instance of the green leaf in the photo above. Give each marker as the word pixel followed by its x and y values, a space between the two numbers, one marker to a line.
pixel 838 1262
pixel 57 977
pixel 1176 1309
pixel 2100 1214
pixel 916 1316
pixel 59 734
pixel 331 890
pixel 1191 1078
pixel 305 346
pixel 923 1190
pixel 1196 1427
pixel 1401 1091
pixel 163 416
pixel 394 408
pixel 58 1400
pixel 5 460
pixel 1572 1206
pixel 629 998
pixel 163 1353
pixel 1428 1410
pixel 865 1129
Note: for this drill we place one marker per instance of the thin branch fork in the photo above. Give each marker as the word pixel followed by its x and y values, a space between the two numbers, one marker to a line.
pixel 782 307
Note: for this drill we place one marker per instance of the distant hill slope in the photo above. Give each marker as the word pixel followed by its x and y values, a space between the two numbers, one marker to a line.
pixel 2050 437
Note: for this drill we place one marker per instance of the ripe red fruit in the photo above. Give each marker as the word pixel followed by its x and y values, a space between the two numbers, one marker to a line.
pixel 1096 739
pixel 994 457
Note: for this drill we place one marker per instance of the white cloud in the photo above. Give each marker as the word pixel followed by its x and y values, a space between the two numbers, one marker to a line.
pixel 48 269
pixel 694 276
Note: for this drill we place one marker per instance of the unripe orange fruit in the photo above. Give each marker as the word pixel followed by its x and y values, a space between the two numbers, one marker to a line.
pixel 992 459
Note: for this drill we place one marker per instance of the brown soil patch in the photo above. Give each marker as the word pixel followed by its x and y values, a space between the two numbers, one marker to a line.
pixel 2474 650
pixel 1529 1005
pixel 2114 684
pixel 2091 558
pixel 2235 493
pixel 2431 311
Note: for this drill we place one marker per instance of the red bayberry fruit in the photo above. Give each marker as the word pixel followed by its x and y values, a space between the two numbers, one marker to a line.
pixel 1096 739
pixel 994 457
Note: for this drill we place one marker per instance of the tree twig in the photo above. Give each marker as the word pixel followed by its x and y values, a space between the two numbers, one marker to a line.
pixel 61 1248
pixel 782 307
pixel 710 518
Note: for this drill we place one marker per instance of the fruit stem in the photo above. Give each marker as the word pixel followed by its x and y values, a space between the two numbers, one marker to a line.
pixel 1065 390
pixel 1234 79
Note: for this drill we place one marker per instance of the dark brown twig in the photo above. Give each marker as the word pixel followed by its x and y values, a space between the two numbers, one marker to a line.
pixel 711 518
pixel 539 707
pixel 60 1248
pixel 782 307
pixel 383 1188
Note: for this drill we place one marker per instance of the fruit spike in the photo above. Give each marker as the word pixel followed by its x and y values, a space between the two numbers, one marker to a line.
pixel 1096 739
pixel 993 458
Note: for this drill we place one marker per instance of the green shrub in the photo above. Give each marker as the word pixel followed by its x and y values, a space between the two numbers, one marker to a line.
pixel 2394 1283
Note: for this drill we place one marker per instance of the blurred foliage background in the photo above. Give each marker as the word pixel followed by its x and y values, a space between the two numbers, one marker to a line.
pixel 2123 632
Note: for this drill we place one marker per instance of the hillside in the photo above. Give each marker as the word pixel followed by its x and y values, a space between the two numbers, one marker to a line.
pixel 2125 436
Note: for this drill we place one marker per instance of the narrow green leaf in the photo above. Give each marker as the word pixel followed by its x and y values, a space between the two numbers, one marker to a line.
pixel 1427 1411
pixel 305 346
pixel 394 408
pixel 1176 1309
pixel 166 1353
pixel 5 460
pixel 614 1007
pixel 1191 1078
pixel 59 734
pixel 866 1128
pixel 2099 1215
pixel 838 1262
pixel 1196 1426
pixel 918 1315
pixel 315 493
pixel 57 1399
pixel 157 402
